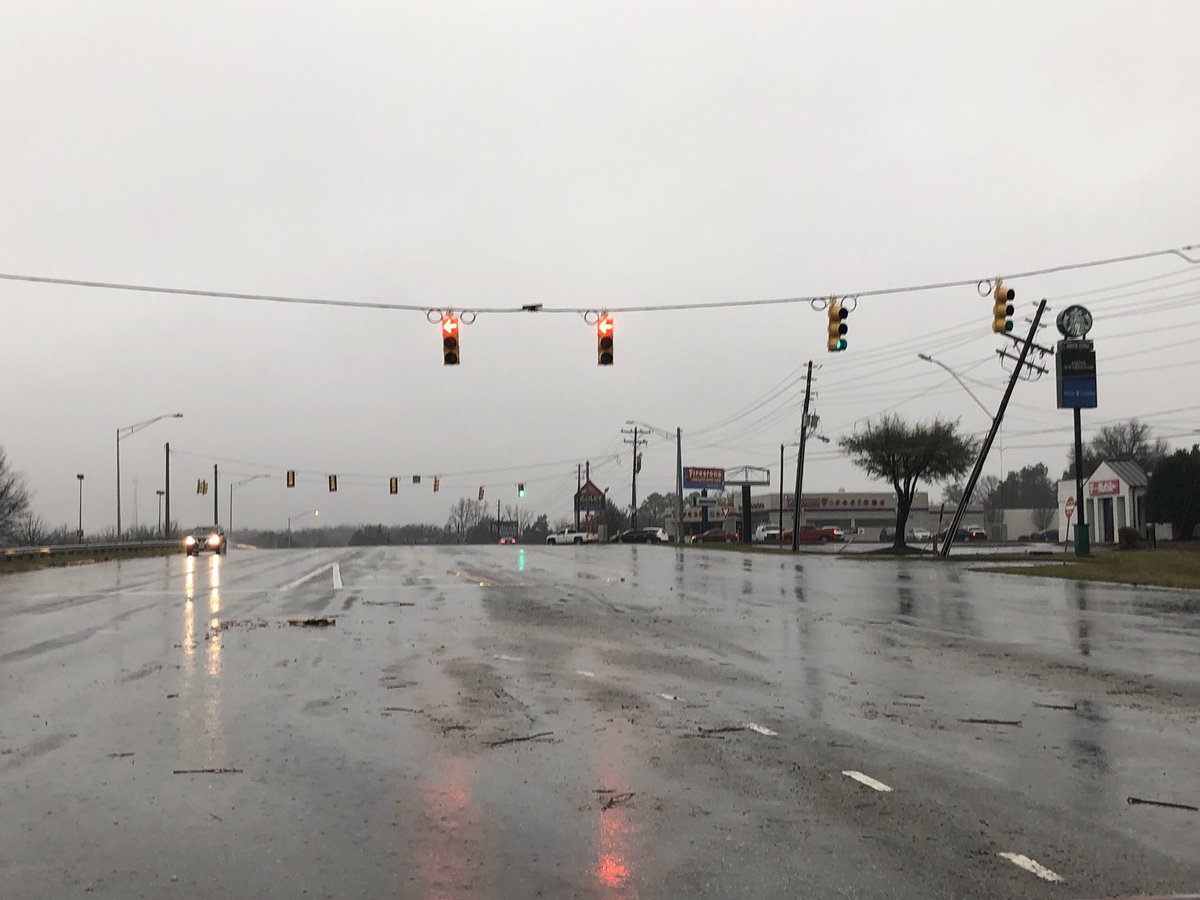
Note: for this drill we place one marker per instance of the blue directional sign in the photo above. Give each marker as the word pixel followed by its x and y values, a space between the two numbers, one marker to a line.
pixel 1075 374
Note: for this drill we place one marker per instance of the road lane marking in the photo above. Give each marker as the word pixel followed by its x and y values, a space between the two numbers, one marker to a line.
pixel 509 658
pixel 868 781
pixel 1030 865
pixel 759 729
pixel 585 674
pixel 337 577
pixel 299 581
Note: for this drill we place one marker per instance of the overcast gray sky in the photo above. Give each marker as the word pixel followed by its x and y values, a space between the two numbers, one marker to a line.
pixel 577 155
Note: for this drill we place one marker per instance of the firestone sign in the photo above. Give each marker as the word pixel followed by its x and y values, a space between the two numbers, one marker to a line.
pixel 699 478
pixel 1109 487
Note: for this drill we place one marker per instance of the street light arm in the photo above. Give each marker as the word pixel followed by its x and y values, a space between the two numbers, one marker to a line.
pixel 987 412
pixel 128 430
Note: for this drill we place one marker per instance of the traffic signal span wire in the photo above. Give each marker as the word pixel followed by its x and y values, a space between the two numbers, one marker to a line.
pixel 426 309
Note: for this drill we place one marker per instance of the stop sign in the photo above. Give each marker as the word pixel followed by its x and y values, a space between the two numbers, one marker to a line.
pixel 1070 507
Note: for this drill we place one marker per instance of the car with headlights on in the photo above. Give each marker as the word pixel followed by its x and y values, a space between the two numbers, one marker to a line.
pixel 209 538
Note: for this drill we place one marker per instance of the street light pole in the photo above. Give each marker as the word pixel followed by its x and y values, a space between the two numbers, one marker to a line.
pixel 79 533
pixel 298 517
pixel 237 484
pixel 127 431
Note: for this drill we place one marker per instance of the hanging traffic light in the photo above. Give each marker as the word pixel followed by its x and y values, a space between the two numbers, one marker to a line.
pixel 332 483
pixel 1002 308
pixel 837 326
pixel 481 492
pixel 201 486
pixel 521 489
pixel 450 340
pixel 394 486
pixel 604 340
pixel 437 484
pixel 291 478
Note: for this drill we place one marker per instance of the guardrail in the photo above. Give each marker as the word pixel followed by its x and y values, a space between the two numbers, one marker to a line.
pixel 18 553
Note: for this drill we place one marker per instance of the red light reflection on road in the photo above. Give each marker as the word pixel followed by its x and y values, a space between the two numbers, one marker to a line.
pixel 453 852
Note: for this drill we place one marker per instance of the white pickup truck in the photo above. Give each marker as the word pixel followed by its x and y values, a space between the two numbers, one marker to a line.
pixel 570 536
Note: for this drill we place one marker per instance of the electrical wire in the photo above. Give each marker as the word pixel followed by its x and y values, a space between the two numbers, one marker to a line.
pixel 1181 252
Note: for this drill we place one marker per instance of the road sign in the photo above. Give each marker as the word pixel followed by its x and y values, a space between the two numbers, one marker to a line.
pixel 1070 507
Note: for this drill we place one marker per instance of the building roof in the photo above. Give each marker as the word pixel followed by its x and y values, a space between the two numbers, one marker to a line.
pixel 1128 471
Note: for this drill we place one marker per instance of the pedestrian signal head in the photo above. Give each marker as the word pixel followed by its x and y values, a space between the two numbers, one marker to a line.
pixel 604 340
pixel 837 326
pixel 450 340
pixel 1002 308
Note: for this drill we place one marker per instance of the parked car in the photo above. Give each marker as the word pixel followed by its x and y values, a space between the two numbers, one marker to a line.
pixel 960 535
pixel 715 536
pixel 206 537
pixel 911 535
pixel 820 534
pixel 976 533
pixel 1048 536
pixel 571 536
pixel 768 533
pixel 643 536
pixel 921 535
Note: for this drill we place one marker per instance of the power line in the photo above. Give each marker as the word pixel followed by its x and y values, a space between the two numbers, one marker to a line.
pixel 1181 252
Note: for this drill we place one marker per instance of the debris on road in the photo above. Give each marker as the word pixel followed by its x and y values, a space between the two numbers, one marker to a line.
pixel 207 772
pixel 722 729
pixel 322 622
pixel 172 696
pixel 1016 723
pixel 1133 801
pixel 1067 706
pixel 407 709
pixel 517 740
pixel 119 755
pixel 618 799
pixel 248 624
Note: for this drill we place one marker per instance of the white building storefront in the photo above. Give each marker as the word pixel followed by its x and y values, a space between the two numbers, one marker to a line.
pixel 1113 498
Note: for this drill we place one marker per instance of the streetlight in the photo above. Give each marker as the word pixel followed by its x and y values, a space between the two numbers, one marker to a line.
pixel 298 517
pixel 238 484
pixel 79 533
pixel 123 433
pixel 160 496
pixel 678 471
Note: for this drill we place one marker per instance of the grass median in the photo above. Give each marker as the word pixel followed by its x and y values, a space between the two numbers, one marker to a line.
pixel 14 565
pixel 1171 567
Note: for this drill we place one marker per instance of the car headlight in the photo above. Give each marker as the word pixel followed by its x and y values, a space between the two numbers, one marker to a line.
pixel 214 539
pixel 189 540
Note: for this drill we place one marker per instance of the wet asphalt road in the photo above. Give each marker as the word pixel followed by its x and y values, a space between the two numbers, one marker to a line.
pixel 368 761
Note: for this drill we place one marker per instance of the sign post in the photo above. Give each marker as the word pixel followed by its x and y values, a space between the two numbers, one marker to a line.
pixel 1070 511
pixel 1075 378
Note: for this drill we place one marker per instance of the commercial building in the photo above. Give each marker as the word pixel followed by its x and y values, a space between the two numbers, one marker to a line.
pixel 1114 497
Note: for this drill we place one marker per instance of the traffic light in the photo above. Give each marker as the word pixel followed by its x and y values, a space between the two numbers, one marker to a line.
pixel 394 486
pixel 201 486
pixel 450 340
pixel 1002 308
pixel 332 483
pixel 481 492
pixel 437 484
pixel 837 326
pixel 521 489
pixel 604 340
pixel 291 478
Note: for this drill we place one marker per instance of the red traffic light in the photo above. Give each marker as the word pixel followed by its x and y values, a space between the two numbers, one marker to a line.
pixel 604 341
pixel 450 341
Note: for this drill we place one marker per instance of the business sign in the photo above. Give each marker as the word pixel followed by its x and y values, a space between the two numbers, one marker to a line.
pixel 1075 374
pixel 1105 487
pixel 590 499
pixel 699 478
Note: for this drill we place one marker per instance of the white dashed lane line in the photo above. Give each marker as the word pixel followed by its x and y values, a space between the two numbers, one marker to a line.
pixel 337 577
pixel 585 674
pixel 1033 866
pixel 868 781
pixel 759 729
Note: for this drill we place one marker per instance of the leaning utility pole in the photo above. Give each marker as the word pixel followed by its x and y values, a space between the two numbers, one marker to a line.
pixel 167 488
pixel 679 486
pixel 636 442
pixel 991 435
pixel 800 462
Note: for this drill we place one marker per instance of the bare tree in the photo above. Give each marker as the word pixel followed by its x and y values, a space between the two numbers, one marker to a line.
pixel 1130 440
pixel 1043 518
pixel 465 514
pixel 14 500
pixel 30 530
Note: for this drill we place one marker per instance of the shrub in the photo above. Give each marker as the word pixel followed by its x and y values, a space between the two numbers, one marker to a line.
pixel 1128 538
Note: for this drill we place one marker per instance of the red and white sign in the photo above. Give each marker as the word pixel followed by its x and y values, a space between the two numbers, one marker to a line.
pixel 1108 487
pixel 1070 507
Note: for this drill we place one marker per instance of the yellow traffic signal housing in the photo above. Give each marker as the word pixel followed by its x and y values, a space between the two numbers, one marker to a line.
pixel 1002 308
pixel 332 483
pixel 481 492
pixel 604 340
pixel 837 326
pixel 437 484
pixel 394 486
pixel 451 351
pixel 291 478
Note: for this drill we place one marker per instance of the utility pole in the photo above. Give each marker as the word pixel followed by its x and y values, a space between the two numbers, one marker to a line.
pixel 167 486
pixel 216 495
pixel 781 493
pixel 160 501
pixel 679 486
pixel 637 465
pixel 578 488
pixel 800 462
pixel 991 435
pixel 135 504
